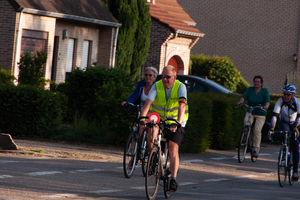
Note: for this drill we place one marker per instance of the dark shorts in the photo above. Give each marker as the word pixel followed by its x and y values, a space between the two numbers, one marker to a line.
pixel 176 137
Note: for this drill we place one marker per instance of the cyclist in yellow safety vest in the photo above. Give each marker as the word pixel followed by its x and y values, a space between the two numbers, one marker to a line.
pixel 169 99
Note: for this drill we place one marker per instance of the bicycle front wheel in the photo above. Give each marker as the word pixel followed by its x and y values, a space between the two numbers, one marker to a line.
pixel 152 175
pixel 145 160
pixel 282 171
pixel 290 169
pixel 129 158
pixel 167 178
pixel 145 156
pixel 243 144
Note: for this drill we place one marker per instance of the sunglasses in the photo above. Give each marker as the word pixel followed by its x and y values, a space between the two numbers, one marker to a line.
pixel 166 76
pixel 287 94
pixel 148 75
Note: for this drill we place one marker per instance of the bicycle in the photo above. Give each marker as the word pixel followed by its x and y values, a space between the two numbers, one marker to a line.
pixel 158 167
pixel 246 138
pixel 285 159
pixel 136 147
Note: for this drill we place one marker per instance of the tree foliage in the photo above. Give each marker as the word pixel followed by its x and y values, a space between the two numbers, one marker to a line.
pixel 6 76
pixel 220 70
pixel 133 38
pixel 31 68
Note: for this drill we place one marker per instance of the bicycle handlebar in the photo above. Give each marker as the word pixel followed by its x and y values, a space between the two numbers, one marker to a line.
pixel 150 124
pixel 252 107
pixel 285 132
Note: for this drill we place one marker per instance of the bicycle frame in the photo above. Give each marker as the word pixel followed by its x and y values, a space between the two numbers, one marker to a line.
pixel 287 165
pixel 243 143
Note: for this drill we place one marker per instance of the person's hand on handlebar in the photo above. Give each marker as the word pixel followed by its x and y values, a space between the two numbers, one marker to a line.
pixel 123 103
pixel 239 103
pixel 270 133
pixel 297 131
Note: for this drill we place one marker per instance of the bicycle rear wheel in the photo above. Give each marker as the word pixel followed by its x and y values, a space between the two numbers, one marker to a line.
pixel 167 178
pixel 243 144
pixel 129 157
pixel 153 174
pixel 282 171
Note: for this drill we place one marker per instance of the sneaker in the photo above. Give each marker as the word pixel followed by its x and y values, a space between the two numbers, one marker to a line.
pixel 173 185
pixel 295 177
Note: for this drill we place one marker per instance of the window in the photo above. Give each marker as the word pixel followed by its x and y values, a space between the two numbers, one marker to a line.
pixel 70 57
pixel 85 54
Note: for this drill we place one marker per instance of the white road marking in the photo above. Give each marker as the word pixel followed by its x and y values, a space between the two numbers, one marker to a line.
pixel 137 166
pixel 264 154
pixel 43 173
pixel 269 173
pixel 219 158
pixel 245 176
pixel 2 162
pixel 139 188
pixel 105 191
pixel 89 170
pixel 59 195
pixel 191 161
pixel 6 176
pixel 215 180
pixel 187 183
pixel 180 184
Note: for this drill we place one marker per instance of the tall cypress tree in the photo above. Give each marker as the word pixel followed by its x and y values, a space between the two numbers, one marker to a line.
pixel 133 38
pixel 142 41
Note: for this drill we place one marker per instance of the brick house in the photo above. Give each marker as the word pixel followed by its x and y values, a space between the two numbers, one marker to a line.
pixel 73 33
pixel 172 36
pixel 259 37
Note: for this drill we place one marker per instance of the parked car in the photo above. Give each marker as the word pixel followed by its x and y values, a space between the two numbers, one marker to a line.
pixel 197 84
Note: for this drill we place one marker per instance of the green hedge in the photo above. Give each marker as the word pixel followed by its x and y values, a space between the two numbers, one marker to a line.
pixel 29 111
pixel 197 130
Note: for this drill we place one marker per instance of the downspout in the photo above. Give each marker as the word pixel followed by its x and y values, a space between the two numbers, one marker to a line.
pixel 115 48
pixel 17 49
pixel 166 49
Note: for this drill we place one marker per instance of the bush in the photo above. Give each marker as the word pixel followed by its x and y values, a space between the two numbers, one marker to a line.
pixel 197 130
pixel 220 70
pixel 28 111
pixel 6 77
pixel 31 69
pixel 82 85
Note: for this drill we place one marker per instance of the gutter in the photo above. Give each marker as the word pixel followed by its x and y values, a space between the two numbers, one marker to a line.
pixel 115 48
pixel 70 17
pixel 17 47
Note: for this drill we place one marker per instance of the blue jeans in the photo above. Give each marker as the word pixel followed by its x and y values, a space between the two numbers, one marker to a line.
pixel 294 144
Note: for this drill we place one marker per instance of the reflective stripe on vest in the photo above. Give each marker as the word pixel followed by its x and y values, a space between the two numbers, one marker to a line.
pixel 168 109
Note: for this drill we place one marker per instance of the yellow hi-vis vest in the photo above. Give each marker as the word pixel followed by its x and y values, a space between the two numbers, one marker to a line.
pixel 168 109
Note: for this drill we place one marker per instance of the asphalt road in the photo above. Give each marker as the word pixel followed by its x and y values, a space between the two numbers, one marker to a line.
pixel 43 170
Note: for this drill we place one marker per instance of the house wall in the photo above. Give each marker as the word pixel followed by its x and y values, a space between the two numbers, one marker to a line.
pixel 259 37
pixel 7 34
pixel 180 47
pixel 101 40
pixel 162 38
pixel 40 23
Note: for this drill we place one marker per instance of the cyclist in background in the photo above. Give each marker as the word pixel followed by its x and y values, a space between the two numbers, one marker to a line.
pixel 169 99
pixel 256 95
pixel 288 110
pixel 140 94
